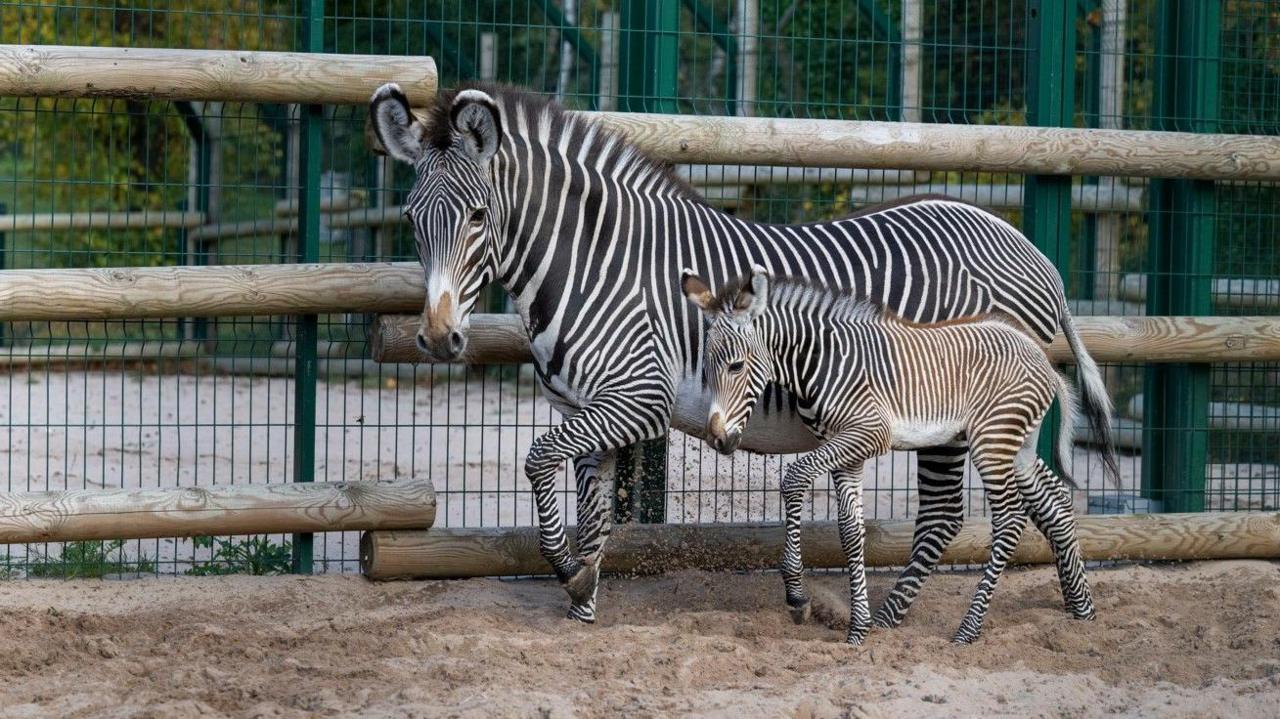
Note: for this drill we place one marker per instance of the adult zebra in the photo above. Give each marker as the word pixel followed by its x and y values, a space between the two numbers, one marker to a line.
pixel 584 230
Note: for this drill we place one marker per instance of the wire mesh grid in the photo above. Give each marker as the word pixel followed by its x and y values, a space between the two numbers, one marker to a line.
pixel 197 402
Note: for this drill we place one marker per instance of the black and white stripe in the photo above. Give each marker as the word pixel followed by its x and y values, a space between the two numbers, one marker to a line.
pixel 587 234
pixel 866 382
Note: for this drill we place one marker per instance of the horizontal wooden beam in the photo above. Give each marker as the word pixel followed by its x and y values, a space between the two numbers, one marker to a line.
pixel 228 75
pixel 224 290
pixel 244 228
pixel 76 515
pixel 1228 292
pixel 100 220
pixel 1236 416
pixel 1084 198
pixel 493 339
pixel 655 548
pixel 862 144
pixel 699 175
pixel 81 352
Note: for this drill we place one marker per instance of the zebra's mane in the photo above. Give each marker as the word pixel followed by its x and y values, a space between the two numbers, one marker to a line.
pixel 540 110
pixel 837 305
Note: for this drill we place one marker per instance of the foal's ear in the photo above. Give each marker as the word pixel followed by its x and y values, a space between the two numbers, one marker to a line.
pixel 476 121
pixel 398 131
pixel 754 297
pixel 696 289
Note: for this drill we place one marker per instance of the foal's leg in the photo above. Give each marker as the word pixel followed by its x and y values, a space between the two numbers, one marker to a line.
pixel 1042 490
pixel 994 461
pixel 843 450
pixel 848 483
pixel 940 485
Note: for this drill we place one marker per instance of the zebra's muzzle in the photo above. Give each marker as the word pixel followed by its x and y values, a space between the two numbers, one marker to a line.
pixel 447 349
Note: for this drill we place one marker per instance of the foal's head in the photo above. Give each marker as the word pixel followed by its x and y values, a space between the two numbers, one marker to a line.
pixel 736 363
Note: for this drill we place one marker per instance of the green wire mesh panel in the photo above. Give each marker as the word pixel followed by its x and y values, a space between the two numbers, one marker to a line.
pixel 197 402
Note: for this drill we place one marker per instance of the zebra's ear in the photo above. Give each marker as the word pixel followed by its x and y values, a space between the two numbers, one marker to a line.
pixel 400 134
pixel 476 121
pixel 754 298
pixel 696 289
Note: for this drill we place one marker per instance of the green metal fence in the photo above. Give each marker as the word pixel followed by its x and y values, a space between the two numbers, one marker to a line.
pixel 274 399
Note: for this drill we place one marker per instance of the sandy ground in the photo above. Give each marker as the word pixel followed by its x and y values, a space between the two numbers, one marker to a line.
pixel 467 432
pixel 1193 640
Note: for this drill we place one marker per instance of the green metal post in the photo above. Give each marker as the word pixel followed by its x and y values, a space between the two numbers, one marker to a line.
pixel 1050 103
pixel 304 377
pixel 1182 223
pixel 647 82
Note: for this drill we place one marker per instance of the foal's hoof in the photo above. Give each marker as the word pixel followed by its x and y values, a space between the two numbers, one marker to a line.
pixel 800 613
pixel 886 620
pixel 581 585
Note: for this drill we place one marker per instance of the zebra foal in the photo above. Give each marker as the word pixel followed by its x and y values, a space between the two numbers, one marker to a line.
pixel 868 381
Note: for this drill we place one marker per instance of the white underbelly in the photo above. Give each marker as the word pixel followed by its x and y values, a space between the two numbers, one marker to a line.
pixel 776 432
pixel 915 434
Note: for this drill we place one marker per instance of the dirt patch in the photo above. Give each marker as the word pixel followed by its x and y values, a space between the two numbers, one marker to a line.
pixel 1191 640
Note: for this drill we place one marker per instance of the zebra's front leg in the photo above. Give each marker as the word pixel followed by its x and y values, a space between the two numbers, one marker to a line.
pixel 852 539
pixel 607 423
pixel 940 487
pixel 594 473
pixel 1008 519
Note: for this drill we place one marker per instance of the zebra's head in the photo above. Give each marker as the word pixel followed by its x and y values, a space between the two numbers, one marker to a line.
pixel 451 206
pixel 736 363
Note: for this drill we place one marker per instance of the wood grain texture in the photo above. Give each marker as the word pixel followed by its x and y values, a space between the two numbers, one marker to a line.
pixel 1175 339
pixel 494 339
pixel 225 290
pixel 652 548
pixel 36 222
pixel 1229 292
pixel 229 75
pixel 76 515
pixel 924 146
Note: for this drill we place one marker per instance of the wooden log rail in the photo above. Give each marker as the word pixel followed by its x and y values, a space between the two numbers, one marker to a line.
pixel 493 339
pixel 99 220
pixel 923 146
pixel 228 75
pixel 1226 291
pixel 655 548
pixel 76 515
pixel 225 290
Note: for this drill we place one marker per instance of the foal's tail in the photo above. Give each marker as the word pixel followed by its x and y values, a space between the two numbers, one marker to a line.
pixel 1093 396
pixel 1066 428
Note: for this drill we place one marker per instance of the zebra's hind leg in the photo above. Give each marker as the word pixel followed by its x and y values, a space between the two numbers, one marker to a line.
pixel 594 473
pixel 1049 505
pixel 852 539
pixel 1008 519
pixel 940 473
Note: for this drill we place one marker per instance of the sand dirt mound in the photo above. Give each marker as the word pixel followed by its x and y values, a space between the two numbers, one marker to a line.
pixel 1186 640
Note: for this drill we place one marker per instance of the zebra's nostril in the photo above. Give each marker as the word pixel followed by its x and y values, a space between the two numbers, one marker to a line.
pixel 457 342
pixel 421 342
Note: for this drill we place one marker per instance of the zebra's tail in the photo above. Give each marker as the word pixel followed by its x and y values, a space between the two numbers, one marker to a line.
pixel 1094 398
pixel 1066 429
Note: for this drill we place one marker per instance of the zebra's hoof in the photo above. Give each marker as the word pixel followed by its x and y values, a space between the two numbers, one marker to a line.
pixel 581 615
pixel 856 638
pixel 1087 615
pixel 800 613
pixel 964 638
pixel 581 585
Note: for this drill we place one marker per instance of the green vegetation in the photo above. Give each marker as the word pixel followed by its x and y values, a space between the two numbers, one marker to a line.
pixel 255 555
pixel 88 560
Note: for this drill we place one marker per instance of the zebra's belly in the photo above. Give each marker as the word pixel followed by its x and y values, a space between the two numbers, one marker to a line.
pixel 915 434
pixel 772 430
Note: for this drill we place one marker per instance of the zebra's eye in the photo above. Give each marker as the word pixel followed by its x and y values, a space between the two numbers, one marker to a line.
pixel 477 216
pixel 736 367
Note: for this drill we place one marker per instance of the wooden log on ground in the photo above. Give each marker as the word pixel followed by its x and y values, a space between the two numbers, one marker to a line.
pixel 225 290
pixel 499 339
pixel 654 548
pixel 924 146
pixel 1228 292
pixel 87 514
pixel 100 220
pixel 229 75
